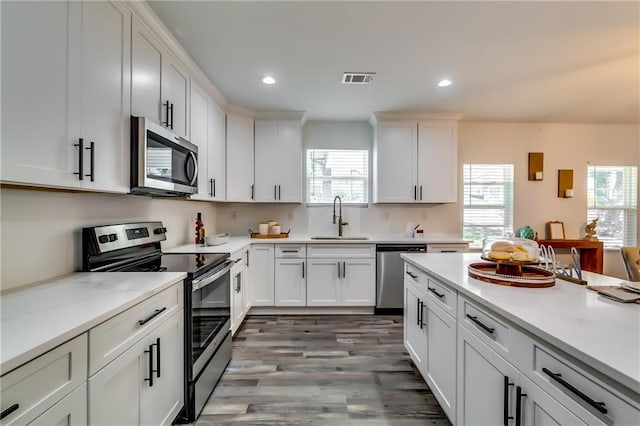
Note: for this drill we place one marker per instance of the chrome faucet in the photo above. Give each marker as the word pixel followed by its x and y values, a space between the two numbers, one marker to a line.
pixel 340 222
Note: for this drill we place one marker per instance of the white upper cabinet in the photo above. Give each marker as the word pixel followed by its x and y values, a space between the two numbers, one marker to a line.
pixel 159 84
pixel 437 162
pixel 146 71
pixel 216 152
pixel 65 81
pixel 395 167
pixel 278 161
pixel 175 96
pixel 104 105
pixel 239 158
pixel 199 136
pixel 416 162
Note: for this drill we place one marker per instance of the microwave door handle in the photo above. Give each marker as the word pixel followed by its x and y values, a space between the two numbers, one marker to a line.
pixel 195 168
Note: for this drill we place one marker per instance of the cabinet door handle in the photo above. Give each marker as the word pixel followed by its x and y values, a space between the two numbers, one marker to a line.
pixel 214 187
pixel 157 344
pixel 9 410
pixel 166 122
pixel 600 406
pixel 344 269
pixel 418 310
pixel 152 316
pixel 422 323
pixel 420 192
pixel 92 158
pixel 415 192
pixel 412 275
pixel 506 417
pixel 80 172
pixel 171 116
pixel 275 192
pixel 151 371
pixel 279 192
pixel 302 269
pixel 339 270
pixel 210 187
pixel 485 327
pixel 434 291
pixel 252 192
pixel 519 396
pixel 238 282
pixel 247 264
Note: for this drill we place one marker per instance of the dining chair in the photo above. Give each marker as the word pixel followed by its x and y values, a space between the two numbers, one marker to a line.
pixel 631 257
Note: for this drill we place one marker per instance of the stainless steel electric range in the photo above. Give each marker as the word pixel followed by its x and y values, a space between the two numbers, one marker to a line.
pixel 135 247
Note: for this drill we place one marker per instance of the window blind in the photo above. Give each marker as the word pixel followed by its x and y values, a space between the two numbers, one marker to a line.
pixel 612 193
pixel 488 201
pixel 343 172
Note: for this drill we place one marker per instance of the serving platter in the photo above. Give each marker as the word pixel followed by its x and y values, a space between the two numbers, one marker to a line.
pixel 530 276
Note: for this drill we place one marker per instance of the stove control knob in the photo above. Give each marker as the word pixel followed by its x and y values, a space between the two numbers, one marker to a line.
pixel 103 239
pixel 159 231
pixel 113 237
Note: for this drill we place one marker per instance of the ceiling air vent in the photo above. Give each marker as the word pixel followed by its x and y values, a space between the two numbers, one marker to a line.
pixel 357 77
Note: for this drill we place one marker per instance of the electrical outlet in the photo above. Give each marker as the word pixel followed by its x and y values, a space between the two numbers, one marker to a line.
pixel 234 214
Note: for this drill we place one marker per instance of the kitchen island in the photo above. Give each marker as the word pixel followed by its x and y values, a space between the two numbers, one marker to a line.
pixel 565 345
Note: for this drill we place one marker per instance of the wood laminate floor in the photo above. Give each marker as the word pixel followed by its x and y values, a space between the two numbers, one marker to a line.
pixel 321 370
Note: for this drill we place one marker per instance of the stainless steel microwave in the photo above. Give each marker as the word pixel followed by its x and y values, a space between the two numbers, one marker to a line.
pixel 162 163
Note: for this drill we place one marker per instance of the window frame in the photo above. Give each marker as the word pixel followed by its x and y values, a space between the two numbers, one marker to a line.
pixel 508 208
pixel 629 207
pixel 367 179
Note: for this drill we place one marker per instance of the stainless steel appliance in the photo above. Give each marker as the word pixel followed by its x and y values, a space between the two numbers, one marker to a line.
pixel 390 275
pixel 161 163
pixel 135 247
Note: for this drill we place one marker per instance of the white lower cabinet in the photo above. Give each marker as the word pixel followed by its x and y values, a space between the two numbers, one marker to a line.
pixel 239 290
pixel 261 264
pixel 415 339
pixel 486 384
pixel 71 410
pixel 290 282
pixel 37 386
pixel 144 385
pixel 341 275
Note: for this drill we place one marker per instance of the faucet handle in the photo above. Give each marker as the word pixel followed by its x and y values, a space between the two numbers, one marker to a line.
pixel 345 223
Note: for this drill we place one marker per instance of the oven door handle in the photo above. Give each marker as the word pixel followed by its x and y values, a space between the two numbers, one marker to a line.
pixel 205 281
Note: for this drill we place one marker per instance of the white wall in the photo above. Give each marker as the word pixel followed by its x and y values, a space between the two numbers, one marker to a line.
pixel 41 229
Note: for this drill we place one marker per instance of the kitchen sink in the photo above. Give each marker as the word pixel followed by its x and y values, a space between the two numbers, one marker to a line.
pixel 331 237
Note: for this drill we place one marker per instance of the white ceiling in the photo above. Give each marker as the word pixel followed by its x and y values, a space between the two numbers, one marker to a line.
pixel 510 61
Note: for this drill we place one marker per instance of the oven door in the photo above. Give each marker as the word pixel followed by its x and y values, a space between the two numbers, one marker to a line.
pixel 165 162
pixel 209 317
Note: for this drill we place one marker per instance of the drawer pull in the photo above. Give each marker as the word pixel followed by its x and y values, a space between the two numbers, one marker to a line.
pixel 519 396
pixel 412 275
pixel 449 251
pixel 600 406
pixel 152 316
pixel 506 417
pixel 9 410
pixel 290 251
pixel 434 291
pixel 489 330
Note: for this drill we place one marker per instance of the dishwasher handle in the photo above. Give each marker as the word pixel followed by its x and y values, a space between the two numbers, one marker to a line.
pixel 404 248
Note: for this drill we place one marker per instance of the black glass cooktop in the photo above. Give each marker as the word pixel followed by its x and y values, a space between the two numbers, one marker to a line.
pixel 192 264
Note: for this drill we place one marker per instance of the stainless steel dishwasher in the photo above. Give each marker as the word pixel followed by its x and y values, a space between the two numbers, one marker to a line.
pixel 390 275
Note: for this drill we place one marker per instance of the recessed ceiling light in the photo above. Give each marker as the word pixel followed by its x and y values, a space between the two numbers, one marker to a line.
pixel 268 80
pixel 444 83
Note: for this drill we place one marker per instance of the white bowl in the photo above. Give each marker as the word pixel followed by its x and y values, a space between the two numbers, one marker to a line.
pixel 218 239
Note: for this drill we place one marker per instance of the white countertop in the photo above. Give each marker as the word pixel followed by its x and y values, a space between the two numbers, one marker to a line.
pixel 602 333
pixel 238 243
pixel 37 319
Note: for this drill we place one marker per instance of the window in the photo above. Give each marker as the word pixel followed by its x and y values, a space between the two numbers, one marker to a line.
pixel 488 201
pixel 612 198
pixel 343 172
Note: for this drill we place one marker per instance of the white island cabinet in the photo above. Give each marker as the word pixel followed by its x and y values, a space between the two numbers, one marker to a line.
pixel 498 355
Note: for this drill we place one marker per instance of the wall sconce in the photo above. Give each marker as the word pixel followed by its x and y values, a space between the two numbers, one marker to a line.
pixel 536 160
pixel 565 183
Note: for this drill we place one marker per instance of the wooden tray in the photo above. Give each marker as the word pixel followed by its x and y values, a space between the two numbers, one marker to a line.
pixel 265 236
pixel 532 277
